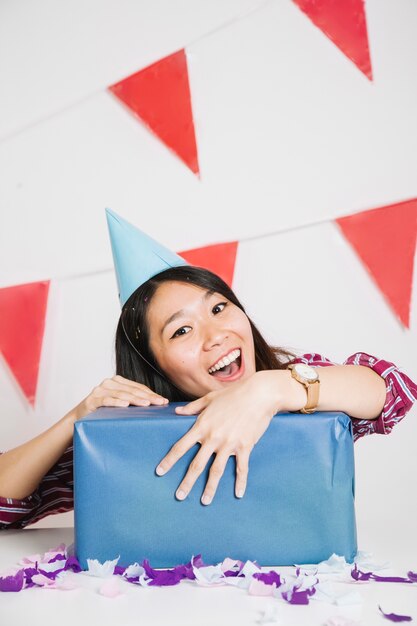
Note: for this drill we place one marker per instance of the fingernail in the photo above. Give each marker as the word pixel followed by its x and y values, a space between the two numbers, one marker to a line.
pixel 240 493
pixel 206 499
pixel 181 494
pixel 160 470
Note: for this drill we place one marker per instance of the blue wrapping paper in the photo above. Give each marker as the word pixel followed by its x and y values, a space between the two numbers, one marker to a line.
pixel 298 506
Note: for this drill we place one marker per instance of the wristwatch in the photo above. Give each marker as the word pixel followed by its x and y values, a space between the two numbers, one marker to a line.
pixel 309 378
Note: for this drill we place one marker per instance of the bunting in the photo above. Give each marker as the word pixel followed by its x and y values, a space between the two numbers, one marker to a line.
pixel 385 241
pixel 23 311
pixel 219 258
pixel 160 96
pixel 344 23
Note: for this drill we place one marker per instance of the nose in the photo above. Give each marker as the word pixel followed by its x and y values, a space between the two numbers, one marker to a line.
pixel 213 334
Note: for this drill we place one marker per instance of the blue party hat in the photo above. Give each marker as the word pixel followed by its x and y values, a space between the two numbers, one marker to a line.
pixel 137 257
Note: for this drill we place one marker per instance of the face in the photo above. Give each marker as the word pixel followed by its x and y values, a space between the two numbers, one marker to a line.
pixel 200 340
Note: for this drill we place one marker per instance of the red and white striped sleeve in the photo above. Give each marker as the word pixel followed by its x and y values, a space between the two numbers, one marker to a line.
pixel 54 494
pixel 400 397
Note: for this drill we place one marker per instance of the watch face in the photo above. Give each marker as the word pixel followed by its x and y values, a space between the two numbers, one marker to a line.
pixel 306 371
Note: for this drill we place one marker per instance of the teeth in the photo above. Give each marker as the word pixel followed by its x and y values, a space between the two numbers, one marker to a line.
pixel 226 360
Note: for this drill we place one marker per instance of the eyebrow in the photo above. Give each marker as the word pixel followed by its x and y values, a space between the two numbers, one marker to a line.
pixel 181 312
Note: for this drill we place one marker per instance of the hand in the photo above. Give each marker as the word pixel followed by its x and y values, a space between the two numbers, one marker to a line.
pixel 230 422
pixel 117 391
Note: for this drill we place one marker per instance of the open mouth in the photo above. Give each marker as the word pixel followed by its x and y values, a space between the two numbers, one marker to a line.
pixel 228 370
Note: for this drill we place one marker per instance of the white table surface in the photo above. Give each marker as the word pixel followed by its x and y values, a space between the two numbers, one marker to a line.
pixel 187 604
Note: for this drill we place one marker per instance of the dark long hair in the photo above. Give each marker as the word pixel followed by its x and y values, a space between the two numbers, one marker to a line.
pixel 132 334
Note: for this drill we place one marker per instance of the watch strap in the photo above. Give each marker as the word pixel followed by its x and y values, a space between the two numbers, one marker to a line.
pixel 313 390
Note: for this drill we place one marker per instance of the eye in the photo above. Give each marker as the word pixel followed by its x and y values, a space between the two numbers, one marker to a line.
pixel 180 332
pixel 219 307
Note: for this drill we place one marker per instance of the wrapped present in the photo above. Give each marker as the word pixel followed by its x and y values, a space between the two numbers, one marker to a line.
pixel 298 506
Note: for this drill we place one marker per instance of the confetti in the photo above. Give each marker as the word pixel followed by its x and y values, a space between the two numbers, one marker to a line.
pixel 358 575
pixel 56 569
pixel 394 617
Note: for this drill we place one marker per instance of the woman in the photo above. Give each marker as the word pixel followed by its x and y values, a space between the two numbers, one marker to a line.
pixel 183 335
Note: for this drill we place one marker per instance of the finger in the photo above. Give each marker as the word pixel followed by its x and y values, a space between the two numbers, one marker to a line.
pixel 139 391
pixel 119 380
pixel 135 385
pixel 216 472
pixel 196 406
pixel 114 402
pixel 242 470
pixel 177 451
pixel 196 467
pixel 128 398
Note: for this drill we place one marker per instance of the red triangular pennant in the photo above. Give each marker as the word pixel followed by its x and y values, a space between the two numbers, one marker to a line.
pixel 22 324
pixel 385 240
pixel 219 258
pixel 345 24
pixel 160 96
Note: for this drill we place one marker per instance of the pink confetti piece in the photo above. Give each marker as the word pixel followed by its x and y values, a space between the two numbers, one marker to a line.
pixel 111 588
pixel 67 584
pixel 259 588
pixel 31 559
pixel 394 617
pixel 234 567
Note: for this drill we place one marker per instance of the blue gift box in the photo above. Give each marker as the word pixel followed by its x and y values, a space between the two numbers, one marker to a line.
pixel 298 506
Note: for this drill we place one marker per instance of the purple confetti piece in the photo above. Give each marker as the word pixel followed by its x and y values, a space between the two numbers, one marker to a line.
pixel 298 597
pixel 165 577
pixel 50 575
pixel 13 582
pixel 394 617
pixel 73 564
pixel 119 570
pixel 29 572
pixel 358 575
pixel 197 561
pixel 269 578
pixel 412 576
pixel 57 557
pixel 390 579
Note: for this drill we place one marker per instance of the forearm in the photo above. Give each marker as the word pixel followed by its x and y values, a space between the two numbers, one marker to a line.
pixel 22 468
pixel 356 390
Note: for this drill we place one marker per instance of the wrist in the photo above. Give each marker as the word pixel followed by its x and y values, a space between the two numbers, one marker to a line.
pixel 281 391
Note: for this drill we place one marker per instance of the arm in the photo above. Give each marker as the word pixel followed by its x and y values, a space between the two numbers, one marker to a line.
pixel 400 391
pixel 36 478
pixel 357 391
pixel 22 468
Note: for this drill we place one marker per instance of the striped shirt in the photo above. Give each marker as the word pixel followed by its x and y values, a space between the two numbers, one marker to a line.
pixel 54 494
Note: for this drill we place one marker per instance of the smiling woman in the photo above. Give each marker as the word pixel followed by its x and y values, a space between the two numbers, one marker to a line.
pixel 183 335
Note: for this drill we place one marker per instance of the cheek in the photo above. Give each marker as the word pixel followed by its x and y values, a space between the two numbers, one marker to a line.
pixel 180 361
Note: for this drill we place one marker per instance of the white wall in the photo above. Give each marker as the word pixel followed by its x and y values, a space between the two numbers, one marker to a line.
pixel 290 135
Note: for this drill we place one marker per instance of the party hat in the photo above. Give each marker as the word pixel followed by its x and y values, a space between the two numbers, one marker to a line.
pixel 137 257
